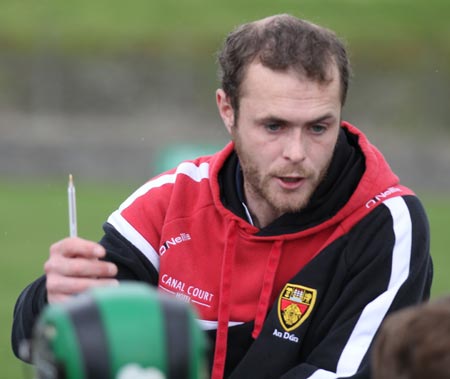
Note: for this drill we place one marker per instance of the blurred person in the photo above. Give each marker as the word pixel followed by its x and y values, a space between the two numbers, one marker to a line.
pixel 414 343
pixel 292 243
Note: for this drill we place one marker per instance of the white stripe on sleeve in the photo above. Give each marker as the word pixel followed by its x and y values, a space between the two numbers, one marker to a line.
pixel 196 173
pixel 132 235
pixel 374 312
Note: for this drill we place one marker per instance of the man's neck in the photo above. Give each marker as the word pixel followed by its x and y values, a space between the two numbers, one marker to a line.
pixel 262 213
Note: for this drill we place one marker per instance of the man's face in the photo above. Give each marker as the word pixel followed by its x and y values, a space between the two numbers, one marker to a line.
pixel 284 137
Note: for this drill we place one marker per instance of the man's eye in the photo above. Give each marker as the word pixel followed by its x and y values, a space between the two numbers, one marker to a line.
pixel 273 127
pixel 318 129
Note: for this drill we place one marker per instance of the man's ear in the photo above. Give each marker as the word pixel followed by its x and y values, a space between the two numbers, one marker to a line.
pixel 226 111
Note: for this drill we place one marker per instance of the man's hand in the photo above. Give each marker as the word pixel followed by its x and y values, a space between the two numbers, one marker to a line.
pixel 74 266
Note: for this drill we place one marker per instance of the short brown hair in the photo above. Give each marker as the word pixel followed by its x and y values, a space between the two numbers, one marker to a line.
pixel 281 42
pixel 414 343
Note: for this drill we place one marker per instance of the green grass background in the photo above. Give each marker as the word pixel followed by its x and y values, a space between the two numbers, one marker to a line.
pixel 35 215
pixel 388 32
pixel 405 34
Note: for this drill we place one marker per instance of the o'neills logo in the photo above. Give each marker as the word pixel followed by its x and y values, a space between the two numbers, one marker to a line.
pixel 294 305
pixel 382 196
pixel 182 237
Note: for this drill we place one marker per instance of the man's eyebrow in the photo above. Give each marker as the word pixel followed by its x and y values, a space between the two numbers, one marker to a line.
pixel 326 117
pixel 272 120
pixel 282 121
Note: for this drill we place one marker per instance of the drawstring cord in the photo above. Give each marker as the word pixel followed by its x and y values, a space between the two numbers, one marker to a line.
pixel 225 296
pixel 224 303
pixel 267 287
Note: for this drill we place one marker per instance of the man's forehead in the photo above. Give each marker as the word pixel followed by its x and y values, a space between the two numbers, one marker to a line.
pixel 257 74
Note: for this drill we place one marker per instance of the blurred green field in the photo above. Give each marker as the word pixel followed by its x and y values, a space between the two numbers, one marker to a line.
pixel 401 33
pixel 401 30
pixel 35 215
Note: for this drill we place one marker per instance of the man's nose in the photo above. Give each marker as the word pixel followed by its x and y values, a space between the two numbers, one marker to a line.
pixel 294 148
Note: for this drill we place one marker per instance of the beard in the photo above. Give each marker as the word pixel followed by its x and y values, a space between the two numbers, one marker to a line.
pixel 264 187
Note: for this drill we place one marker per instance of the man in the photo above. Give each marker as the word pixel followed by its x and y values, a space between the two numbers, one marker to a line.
pixel 292 243
pixel 414 343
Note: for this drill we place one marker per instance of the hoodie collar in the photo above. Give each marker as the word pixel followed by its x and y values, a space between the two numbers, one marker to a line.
pixel 345 171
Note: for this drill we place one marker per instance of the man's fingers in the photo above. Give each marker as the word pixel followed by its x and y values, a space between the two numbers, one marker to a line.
pixel 77 247
pixel 57 298
pixel 80 267
pixel 74 266
pixel 60 288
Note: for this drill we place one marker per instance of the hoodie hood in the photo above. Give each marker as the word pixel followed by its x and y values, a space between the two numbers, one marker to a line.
pixel 358 173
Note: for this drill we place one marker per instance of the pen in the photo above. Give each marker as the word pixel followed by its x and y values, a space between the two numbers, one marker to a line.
pixel 72 208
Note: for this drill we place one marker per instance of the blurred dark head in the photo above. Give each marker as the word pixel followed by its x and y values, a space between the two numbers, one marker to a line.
pixel 414 343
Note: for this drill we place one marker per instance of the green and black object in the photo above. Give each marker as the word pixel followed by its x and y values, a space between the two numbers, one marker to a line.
pixel 125 332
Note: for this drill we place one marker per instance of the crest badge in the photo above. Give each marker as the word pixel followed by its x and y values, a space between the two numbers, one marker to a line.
pixel 294 305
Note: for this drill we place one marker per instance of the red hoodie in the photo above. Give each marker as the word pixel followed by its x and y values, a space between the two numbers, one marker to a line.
pixel 302 297
pixel 207 255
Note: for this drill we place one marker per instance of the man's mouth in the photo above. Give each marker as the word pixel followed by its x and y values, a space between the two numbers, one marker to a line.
pixel 290 179
pixel 290 182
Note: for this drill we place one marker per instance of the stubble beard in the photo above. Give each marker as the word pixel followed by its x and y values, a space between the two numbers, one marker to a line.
pixel 279 200
pixel 261 186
